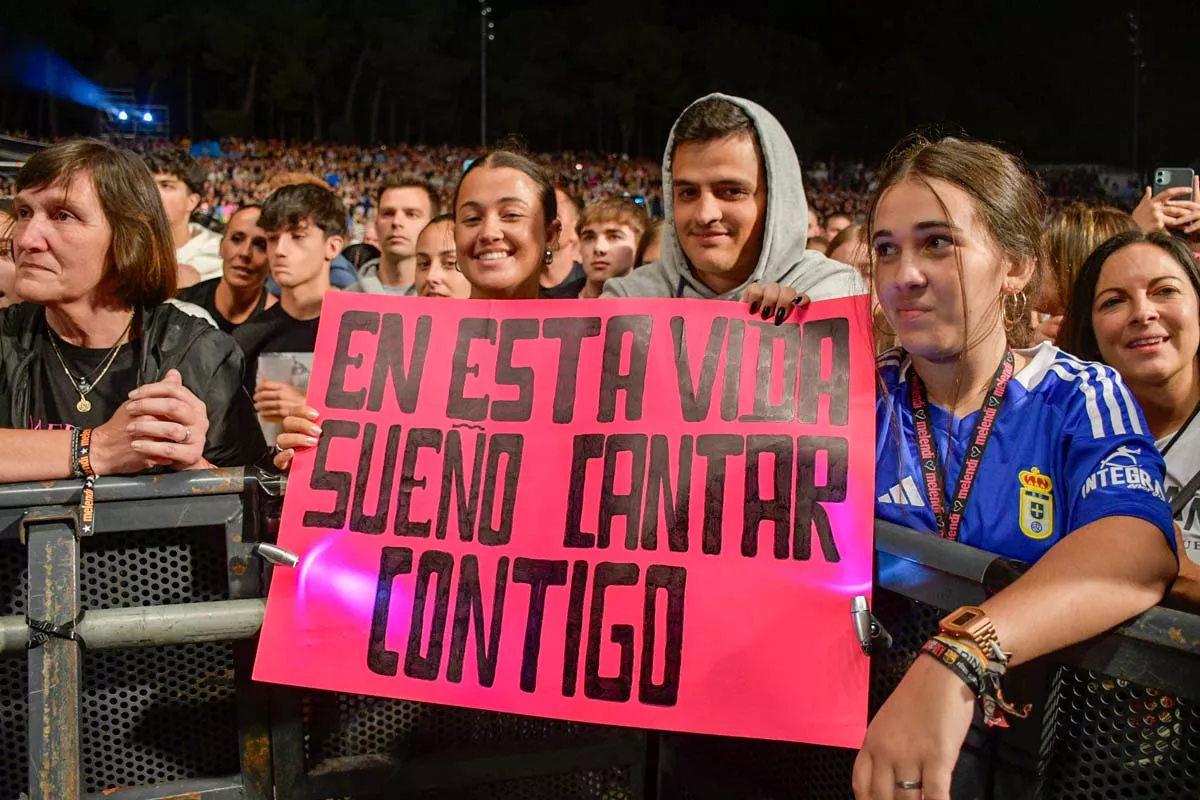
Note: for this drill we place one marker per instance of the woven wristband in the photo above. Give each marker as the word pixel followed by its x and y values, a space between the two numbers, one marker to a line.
pixel 83 461
pixel 87 501
pixel 966 668
pixel 76 470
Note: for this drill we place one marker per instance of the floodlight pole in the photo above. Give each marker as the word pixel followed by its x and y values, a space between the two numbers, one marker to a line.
pixel 485 36
pixel 1135 41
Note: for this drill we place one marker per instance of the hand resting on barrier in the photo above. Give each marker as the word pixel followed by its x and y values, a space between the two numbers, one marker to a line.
pixel 300 430
pixel 162 424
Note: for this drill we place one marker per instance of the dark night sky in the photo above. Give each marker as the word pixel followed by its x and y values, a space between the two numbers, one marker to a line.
pixel 1052 79
pixel 1065 69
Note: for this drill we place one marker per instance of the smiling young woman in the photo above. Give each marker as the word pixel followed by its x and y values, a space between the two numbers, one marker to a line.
pixel 1136 307
pixel 505 226
pixel 505 234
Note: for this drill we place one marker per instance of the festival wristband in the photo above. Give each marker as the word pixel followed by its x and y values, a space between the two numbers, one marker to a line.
pixel 964 666
pixel 965 647
pixel 87 501
pixel 983 682
pixel 76 470
pixel 83 456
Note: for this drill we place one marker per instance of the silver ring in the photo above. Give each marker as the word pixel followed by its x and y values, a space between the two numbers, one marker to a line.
pixel 909 785
pixel 187 434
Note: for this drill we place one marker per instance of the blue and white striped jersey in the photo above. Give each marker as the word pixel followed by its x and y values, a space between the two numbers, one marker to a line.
pixel 1068 447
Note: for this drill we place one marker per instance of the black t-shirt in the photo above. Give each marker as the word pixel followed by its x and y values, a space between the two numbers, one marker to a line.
pixel 204 294
pixel 571 286
pixel 273 331
pixel 54 398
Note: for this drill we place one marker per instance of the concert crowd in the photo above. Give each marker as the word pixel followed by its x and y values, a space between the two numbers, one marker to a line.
pixel 1036 336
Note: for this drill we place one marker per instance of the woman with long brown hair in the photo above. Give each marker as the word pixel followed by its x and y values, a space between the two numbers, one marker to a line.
pixel 997 447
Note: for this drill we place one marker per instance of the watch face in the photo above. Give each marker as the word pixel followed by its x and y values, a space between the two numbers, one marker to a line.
pixel 962 619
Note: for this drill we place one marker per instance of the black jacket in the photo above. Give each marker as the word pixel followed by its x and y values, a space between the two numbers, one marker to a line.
pixel 208 360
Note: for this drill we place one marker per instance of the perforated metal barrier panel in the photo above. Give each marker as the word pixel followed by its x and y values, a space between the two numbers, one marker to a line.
pixel 14 720
pixel 609 785
pixel 341 726
pixel 1118 740
pixel 148 715
pixel 1108 739
pixel 161 713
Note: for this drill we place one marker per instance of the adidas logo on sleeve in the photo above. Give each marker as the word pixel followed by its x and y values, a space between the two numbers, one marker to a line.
pixel 904 493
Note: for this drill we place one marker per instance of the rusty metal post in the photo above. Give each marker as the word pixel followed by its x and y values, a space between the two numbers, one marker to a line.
pixel 254 709
pixel 54 664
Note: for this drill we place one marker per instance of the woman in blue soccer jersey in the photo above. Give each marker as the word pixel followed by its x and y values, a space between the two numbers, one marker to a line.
pixel 1136 307
pixel 1031 454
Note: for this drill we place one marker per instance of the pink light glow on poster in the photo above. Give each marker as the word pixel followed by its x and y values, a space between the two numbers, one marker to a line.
pixel 648 513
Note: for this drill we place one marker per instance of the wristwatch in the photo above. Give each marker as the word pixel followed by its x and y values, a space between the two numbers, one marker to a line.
pixel 970 623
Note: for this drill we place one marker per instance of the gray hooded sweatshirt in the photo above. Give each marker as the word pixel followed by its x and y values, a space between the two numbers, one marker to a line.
pixel 783 259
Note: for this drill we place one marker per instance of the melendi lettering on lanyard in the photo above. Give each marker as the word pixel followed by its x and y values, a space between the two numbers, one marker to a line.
pixel 950 520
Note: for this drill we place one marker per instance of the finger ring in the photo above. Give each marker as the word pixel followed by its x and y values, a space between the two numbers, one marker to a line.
pixel 909 785
pixel 187 434
pixel 278 449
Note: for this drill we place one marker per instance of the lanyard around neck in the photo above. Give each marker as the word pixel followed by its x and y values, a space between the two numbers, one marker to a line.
pixel 949 519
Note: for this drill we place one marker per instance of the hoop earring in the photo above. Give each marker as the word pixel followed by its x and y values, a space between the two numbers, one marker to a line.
pixel 548 258
pixel 1016 309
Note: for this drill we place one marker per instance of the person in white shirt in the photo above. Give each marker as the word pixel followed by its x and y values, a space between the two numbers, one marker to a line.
pixel 180 182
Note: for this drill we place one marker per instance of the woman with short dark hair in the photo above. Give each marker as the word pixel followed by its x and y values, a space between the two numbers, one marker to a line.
pixel 95 353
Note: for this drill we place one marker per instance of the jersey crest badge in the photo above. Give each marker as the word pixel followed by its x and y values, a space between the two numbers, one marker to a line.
pixel 1037 504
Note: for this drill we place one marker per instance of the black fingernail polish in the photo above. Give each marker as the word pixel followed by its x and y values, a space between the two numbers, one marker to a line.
pixel 781 315
pixel 766 313
pixel 754 307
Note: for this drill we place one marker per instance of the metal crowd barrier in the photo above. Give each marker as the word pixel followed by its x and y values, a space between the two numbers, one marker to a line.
pixel 125 661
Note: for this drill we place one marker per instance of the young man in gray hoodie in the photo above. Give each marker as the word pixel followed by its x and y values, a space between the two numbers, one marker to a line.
pixel 736 212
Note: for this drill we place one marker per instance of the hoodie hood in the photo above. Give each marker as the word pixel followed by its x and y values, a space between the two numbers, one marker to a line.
pixel 784 258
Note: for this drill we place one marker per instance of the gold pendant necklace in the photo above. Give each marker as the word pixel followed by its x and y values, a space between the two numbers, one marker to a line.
pixel 83 385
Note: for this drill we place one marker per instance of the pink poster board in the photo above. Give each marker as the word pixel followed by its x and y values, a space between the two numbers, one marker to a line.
pixel 648 513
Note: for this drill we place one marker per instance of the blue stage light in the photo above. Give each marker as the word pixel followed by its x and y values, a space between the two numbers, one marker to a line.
pixel 147 117
pixel 40 70
pixel 121 115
